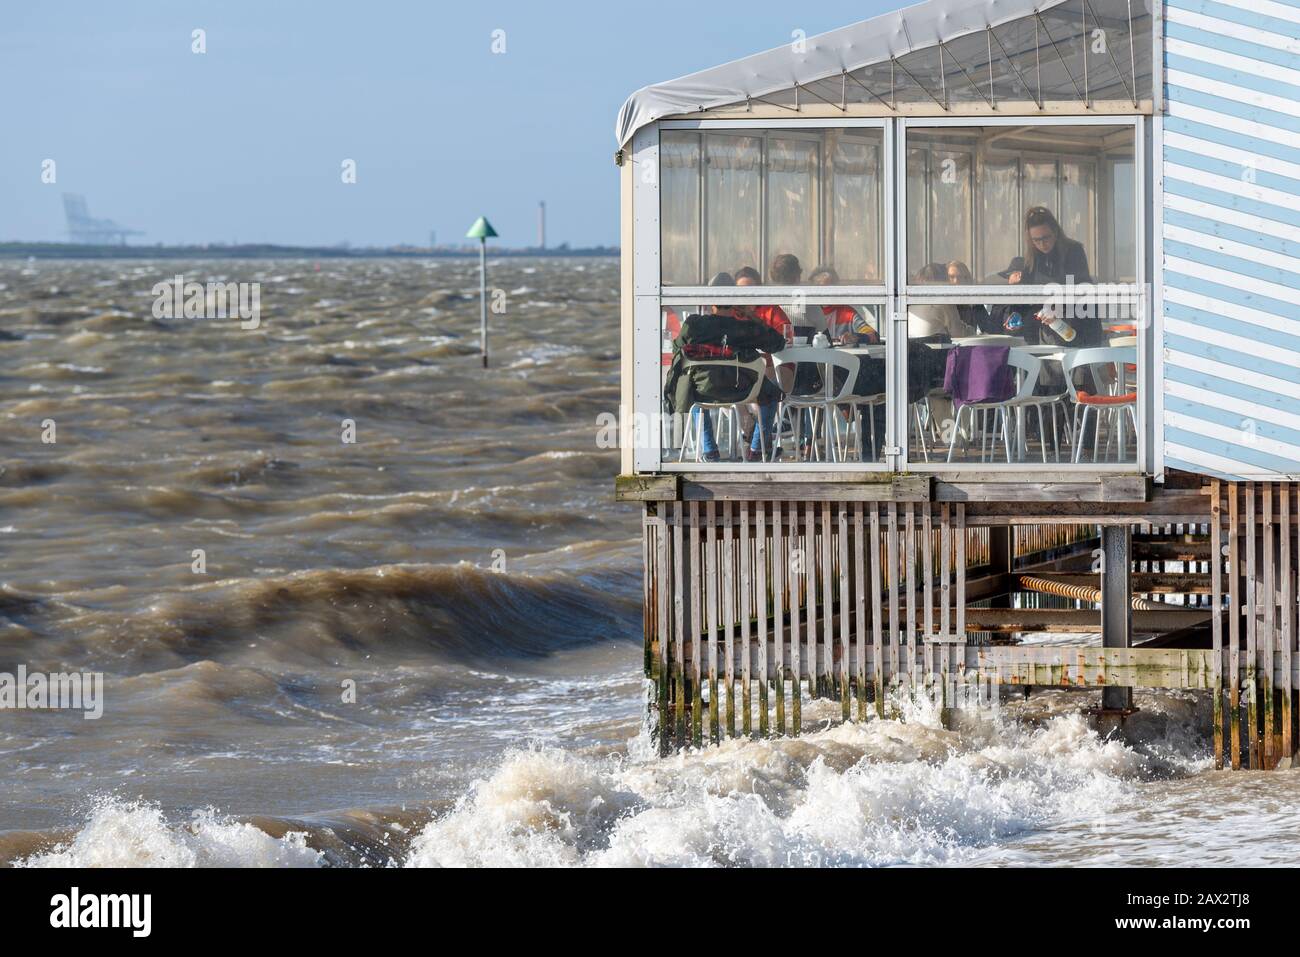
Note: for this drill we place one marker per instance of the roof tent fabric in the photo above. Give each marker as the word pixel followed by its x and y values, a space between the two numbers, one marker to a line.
pixel 850 48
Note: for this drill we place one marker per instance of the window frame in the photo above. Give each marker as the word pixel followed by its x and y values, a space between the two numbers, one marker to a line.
pixel 893 296
pixel 912 294
pixel 1004 293
pixel 807 126
pixel 811 296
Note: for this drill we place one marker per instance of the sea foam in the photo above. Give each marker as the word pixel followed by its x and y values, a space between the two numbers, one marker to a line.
pixel 119 833
pixel 887 792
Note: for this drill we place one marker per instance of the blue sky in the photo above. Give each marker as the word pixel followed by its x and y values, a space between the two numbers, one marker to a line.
pixel 245 142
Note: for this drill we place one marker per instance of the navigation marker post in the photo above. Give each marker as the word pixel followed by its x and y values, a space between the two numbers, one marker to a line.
pixel 482 230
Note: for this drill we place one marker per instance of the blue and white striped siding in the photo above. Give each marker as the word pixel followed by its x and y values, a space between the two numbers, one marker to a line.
pixel 1231 234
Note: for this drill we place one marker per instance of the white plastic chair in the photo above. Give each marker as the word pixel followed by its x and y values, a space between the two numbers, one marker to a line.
pixel 1116 401
pixel 1030 367
pixel 728 412
pixel 820 407
pixel 1053 401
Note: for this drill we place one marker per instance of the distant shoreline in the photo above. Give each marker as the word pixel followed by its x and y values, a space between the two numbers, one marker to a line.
pixel 269 251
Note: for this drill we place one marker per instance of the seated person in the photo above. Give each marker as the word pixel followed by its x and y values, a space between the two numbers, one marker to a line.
pixel 973 315
pixel 842 319
pixel 934 319
pixel 773 316
pixel 724 333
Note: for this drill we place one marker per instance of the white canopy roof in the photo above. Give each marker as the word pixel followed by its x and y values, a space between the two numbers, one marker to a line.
pixel 864 44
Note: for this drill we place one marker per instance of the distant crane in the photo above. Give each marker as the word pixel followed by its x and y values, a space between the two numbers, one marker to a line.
pixel 84 228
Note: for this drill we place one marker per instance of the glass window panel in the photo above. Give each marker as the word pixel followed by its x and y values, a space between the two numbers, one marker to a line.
pixel 950 207
pixel 679 165
pixel 1015 168
pixel 792 204
pixel 999 216
pixel 732 188
pixel 815 195
pixel 808 430
pixel 1124 265
pixel 939 190
pixel 1040 183
pixel 967 420
pixel 854 220
pixel 1078 189
pixel 918 219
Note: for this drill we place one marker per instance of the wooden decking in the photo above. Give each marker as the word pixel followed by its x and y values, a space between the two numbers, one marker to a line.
pixel 753 606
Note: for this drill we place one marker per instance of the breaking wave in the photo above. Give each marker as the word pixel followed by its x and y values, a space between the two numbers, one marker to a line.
pixel 118 833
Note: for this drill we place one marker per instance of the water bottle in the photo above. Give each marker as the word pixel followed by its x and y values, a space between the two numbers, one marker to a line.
pixel 1059 326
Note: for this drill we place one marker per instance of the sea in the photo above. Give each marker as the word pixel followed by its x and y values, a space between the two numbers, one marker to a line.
pixel 357 601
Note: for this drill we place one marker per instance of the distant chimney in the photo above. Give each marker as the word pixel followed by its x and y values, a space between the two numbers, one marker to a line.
pixel 541 225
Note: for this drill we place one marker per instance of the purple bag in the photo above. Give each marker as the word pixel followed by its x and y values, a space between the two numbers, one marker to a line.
pixel 979 374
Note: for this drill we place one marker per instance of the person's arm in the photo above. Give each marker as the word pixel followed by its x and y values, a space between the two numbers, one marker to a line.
pixel 782 323
pixel 955 324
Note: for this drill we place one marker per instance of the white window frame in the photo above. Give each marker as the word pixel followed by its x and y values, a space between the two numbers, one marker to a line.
pixel 910 293
pixel 794 125
pixel 1003 293
pixel 648 282
pixel 893 296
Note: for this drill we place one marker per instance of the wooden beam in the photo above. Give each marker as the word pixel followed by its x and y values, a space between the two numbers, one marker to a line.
pixel 646 488
pixel 1148 551
pixel 995 487
pixel 1061 666
pixel 821 487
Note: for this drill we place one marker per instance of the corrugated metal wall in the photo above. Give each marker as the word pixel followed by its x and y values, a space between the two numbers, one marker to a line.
pixel 1231 237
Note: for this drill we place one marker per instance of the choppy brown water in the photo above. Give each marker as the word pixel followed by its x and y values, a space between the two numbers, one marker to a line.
pixel 497 711
pixel 325 561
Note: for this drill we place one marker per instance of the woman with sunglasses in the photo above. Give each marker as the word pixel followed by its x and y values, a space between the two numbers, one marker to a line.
pixel 1052 257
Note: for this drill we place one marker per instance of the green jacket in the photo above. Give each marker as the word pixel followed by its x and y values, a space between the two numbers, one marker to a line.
pixel 707 338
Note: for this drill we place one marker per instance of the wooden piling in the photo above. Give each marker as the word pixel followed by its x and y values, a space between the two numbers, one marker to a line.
pixel 1252 661
pixel 891 552
pixel 780 565
pixel 761 578
pixel 1234 623
pixel 746 613
pixel 1216 619
pixel 877 644
pixel 845 604
pixel 1288 621
pixel 697 625
pixel 859 558
pixel 711 583
pixel 680 565
pixel 793 565
pixel 828 689
pixel 1268 636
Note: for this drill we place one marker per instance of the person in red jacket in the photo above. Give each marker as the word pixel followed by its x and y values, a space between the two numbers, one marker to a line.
pixel 773 316
pixel 841 319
